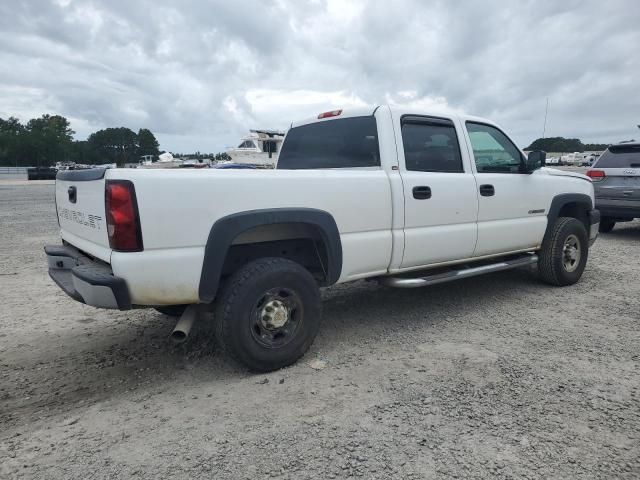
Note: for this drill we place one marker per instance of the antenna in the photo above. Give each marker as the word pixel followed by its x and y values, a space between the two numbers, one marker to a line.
pixel 546 111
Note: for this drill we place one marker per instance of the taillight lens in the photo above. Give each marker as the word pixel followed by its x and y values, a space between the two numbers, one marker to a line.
pixel 595 175
pixel 123 221
pixel 332 113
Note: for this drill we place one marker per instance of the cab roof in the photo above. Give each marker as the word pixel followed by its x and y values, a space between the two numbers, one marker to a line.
pixel 397 111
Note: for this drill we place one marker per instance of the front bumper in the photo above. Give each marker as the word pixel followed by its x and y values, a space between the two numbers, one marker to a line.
pixel 86 280
pixel 594 221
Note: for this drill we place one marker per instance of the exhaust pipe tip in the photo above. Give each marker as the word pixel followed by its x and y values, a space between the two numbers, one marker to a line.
pixel 178 336
pixel 182 329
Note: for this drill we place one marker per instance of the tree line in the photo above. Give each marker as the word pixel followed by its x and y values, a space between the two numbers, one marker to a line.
pixel 49 139
pixel 565 145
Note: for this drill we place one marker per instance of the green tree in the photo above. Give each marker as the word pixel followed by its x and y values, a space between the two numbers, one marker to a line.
pixel 221 156
pixel 11 141
pixel 47 140
pixel 82 152
pixel 595 147
pixel 147 143
pixel 557 144
pixel 114 145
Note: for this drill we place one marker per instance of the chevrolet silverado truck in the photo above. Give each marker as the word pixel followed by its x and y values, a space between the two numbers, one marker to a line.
pixel 403 197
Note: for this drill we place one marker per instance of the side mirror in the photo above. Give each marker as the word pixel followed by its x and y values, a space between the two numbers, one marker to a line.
pixel 536 160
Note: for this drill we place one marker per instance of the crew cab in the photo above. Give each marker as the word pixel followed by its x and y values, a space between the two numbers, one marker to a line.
pixel 405 197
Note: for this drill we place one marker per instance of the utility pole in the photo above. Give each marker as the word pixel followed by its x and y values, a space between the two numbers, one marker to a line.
pixel 546 111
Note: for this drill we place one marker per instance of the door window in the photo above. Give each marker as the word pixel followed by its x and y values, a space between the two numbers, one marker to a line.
pixel 431 146
pixel 493 151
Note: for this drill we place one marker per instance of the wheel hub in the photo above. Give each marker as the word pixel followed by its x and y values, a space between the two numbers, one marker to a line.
pixel 571 253
pixel 277 316
pixel 274 315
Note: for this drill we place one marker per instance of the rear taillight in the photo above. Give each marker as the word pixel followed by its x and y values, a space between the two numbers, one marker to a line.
pixel 123 221
pixel 595 175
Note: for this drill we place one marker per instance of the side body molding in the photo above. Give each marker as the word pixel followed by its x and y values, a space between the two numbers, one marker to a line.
pixel 563 199
pixel 226 229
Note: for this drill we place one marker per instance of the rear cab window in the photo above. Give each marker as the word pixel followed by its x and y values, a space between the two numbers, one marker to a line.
pixel 619 156
pixel 339 143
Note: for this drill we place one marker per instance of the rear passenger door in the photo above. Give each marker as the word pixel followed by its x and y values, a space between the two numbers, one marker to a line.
pixel 441 202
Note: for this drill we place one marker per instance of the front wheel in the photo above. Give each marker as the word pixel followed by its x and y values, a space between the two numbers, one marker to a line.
pixel 268 314
pixel 564 253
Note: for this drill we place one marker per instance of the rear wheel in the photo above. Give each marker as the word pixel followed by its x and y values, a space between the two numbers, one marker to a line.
pixel 268 314
pixel 606 224
pixel 564 253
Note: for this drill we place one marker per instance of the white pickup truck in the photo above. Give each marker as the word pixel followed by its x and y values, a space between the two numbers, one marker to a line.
pixel 404 197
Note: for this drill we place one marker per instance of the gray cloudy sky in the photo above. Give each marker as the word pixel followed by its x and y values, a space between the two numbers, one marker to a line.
pixel 201 73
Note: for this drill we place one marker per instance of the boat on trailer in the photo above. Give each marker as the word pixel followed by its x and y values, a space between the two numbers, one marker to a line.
pixel 260 147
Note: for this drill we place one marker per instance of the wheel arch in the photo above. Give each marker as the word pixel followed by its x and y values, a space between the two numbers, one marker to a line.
pixel 226 230
pixel 576 205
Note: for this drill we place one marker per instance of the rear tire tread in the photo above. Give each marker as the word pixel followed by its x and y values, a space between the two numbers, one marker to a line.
pixel 225 302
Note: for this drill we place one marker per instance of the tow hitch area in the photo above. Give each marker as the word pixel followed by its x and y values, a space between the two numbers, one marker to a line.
pixel 86 280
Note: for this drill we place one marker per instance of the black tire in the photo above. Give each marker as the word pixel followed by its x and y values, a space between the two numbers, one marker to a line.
pixel 606 224
pixel 555 264
pixel 245 327
pixel 171 310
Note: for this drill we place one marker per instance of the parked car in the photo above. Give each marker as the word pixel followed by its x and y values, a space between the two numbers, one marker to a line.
pixel 588 161
pixel 405 197
pixel 616 180
pixel 41 173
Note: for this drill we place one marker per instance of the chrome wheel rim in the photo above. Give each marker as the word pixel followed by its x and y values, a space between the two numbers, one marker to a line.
pixel 571 253
pixel 276 317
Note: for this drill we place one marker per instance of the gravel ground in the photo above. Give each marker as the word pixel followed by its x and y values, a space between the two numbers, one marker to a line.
pixel 494 377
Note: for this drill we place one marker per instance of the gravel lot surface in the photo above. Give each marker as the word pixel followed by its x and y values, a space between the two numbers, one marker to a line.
pixel 493 377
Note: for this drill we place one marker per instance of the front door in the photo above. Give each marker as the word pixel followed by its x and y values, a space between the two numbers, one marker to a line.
pixel 441 201
pixel 511 214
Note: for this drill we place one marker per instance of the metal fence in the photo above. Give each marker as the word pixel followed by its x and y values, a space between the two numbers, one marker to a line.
pixel 13 170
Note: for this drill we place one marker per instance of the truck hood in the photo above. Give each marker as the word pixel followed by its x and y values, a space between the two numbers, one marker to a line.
pixel 564 173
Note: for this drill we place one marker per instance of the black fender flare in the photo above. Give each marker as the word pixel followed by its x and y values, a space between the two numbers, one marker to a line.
pixel 560 201
pixel 226 229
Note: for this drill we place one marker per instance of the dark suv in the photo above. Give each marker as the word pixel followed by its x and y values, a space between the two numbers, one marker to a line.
pixel 616 181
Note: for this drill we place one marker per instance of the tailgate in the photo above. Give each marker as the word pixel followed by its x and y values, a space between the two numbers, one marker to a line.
pixel 619 184
pixel 80 203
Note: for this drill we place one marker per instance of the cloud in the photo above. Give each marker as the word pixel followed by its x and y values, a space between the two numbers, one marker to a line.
pixel 201 73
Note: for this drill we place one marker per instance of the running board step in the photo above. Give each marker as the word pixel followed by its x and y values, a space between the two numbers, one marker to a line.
pixel 405 282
